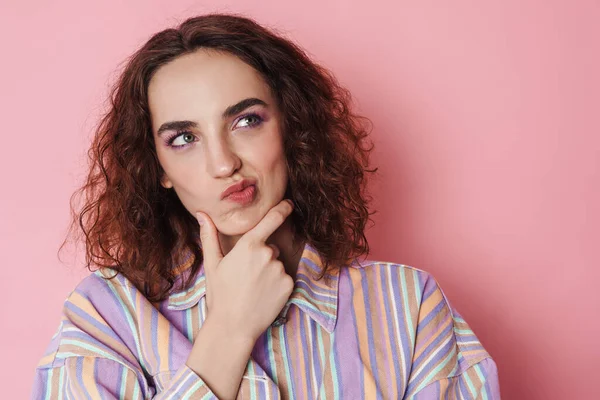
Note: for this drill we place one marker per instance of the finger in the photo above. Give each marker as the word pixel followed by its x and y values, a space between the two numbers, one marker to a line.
pixel 276 250
pixel 211 248
pixel 270 222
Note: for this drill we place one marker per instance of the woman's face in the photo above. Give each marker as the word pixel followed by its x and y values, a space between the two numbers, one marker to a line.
pixel 216 123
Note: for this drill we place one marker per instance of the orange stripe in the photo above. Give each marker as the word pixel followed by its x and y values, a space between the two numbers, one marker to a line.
pixel 87 374
pixel 386 336
pixel 420 347
pixel 145 319
pixel 301 362
pixel 363 337
pixel 428 305
pixel 162 336
pixel 444 384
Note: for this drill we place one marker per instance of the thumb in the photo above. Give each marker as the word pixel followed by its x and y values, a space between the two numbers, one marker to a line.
pixel 211 248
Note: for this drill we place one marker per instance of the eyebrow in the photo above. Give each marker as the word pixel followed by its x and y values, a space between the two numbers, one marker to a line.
pixel 229 112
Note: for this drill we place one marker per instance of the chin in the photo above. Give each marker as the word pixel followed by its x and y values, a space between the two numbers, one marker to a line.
pixel 229 230
pixel 237 226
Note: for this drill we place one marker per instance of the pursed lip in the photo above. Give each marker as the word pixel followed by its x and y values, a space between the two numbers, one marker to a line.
pixel 236 187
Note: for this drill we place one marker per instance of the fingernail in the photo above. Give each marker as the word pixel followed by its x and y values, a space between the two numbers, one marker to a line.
pixel 200 219
pixel 291 202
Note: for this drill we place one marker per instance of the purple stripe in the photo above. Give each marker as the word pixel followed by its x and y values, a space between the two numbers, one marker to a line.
pixel 78 373
pixel 309 263
pixel 154 337
pixel 385 275
pixel 434 313
pixel 288 362
pixel 92 321
pixel 119 376
pixel 96 378
pixel 302 282
pixel 304 353
pixel 343 354
pixel 434 345
pixel 431 364
pixel 262 389
pixel 431 391
pixel 375 309
pixel 141 326
pixel 405 341
pixel 42 378
pixel 261 352
pixel 430 317
pixel 371 338
pixel 170 353
pixel 108 306
pixel 347 347
pixel 318 370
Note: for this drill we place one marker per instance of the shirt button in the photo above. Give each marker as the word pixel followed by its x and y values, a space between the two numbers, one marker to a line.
pixel 279 321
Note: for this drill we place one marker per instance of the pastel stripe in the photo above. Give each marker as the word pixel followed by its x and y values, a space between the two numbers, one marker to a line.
pixel 368 330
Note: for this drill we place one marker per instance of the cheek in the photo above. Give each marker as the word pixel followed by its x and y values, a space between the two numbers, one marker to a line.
pixel 271 149
pixel 194 191
pixel 277 169
pixel 187 179
pixel 272 157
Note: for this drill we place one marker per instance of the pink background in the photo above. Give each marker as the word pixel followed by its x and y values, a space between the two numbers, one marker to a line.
pixel 487 126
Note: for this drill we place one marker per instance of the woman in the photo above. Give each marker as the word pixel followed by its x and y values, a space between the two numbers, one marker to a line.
pixel 211 283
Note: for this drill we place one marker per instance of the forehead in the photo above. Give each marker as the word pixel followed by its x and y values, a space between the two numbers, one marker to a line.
pixel 201 85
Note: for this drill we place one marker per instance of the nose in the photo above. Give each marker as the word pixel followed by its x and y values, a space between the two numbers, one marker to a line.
pixel 222 159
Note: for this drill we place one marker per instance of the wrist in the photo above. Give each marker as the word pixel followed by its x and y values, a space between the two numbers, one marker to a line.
pixel 221 330
pixel 219 357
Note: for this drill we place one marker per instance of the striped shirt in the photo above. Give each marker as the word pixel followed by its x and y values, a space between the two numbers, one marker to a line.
pixel 374 330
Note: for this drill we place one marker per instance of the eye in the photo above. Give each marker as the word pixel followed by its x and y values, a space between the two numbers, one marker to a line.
pixel 251 120
pixel 181 139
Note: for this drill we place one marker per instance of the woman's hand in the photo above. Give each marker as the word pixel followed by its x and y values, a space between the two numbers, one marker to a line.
pixel 247 288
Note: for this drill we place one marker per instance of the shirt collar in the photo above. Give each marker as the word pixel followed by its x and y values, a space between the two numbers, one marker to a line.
pixel 317 298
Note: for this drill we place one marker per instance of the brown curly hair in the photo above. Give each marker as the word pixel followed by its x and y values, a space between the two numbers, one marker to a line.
pixel 137 227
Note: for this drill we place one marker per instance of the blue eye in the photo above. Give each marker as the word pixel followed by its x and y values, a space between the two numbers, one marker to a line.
pixel 257 120
pixel 181 139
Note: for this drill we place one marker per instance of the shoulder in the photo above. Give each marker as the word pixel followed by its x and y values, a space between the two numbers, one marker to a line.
pixel 94 321
pixel 97 336
pixel 384 278
pixel 407 295
pixel 419 294
pixel 101 293
pixel 103 282
pixel 417 285
pixel 370 267
pixel 441 342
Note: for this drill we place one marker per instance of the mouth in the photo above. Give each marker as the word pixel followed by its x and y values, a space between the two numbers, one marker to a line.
pixel 240 192
pixel 244 196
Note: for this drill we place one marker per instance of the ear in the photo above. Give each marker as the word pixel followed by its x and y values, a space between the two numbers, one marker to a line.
pixel 166 182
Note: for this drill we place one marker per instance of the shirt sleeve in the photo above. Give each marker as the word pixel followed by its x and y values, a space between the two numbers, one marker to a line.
pixel 479 381
pixel 449 361
pixel 82 377
pixel 87 359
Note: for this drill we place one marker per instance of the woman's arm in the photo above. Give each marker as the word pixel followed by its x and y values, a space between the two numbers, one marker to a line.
pixel 478 382
pixel 245 291
pixel 220 357
pixel 449 361
pixel 98 351
pixel 87 359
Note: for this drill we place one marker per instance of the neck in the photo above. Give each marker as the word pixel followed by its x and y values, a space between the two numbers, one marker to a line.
pixel 289 245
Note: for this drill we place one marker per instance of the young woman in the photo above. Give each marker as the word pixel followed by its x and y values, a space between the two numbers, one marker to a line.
pixel 208 281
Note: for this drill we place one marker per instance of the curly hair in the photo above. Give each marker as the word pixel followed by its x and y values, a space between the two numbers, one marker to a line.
pixel 136 227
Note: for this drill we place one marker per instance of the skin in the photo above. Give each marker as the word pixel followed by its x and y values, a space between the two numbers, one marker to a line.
pixel 250 253
pixel 198 87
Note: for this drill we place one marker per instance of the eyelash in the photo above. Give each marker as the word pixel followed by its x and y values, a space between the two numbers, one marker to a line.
pixel 169 141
